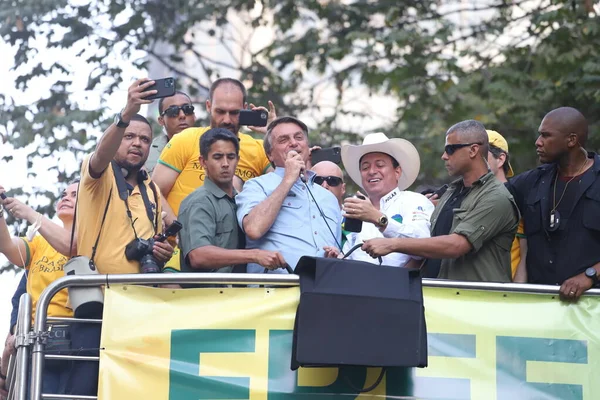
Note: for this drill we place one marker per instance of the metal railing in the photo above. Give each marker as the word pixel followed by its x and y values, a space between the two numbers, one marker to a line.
pixel 16 378
pixel 41 318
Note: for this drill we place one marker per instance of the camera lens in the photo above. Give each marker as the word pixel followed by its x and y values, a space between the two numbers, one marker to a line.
pixel 148 265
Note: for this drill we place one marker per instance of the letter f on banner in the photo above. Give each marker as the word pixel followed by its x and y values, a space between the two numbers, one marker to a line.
pixel 187 345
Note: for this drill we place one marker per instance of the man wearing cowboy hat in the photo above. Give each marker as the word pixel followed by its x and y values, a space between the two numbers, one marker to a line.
pixel 383 168
pixel 479 214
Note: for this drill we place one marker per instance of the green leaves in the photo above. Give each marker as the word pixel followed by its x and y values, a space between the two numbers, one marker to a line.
pixel 329 61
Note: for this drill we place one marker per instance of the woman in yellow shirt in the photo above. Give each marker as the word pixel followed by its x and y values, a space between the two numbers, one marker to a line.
pixel 42 255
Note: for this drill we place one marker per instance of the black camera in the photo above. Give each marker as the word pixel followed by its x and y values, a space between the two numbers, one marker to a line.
pixel 141 249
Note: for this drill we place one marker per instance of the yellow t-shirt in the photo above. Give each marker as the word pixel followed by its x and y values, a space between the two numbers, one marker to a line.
pixel 117 231
pixel 45 265
pixel 182 154
pixel 174 264
pixel 515 251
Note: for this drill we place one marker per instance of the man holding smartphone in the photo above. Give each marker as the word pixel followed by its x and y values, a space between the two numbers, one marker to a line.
pixel 384 168
pixel 178 172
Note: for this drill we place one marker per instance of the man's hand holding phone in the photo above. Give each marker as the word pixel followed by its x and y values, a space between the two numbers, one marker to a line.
pixel 271 115
pixel 136 96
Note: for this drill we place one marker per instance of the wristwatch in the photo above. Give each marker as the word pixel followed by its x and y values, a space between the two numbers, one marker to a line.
pixel 119 121
pixel 592 274
pixel 382 221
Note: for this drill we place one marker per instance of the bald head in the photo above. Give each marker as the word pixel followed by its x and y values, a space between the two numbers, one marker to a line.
pixel 568 120
pixel 471 131
pixel 327 168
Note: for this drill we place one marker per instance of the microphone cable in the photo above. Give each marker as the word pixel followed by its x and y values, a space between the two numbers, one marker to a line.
pixel 303 179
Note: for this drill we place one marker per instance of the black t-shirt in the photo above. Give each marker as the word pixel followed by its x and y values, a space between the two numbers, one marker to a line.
pixel 443 226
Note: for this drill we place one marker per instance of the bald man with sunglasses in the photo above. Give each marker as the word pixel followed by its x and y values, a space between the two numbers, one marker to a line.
pixel 331 177
pixel 473 224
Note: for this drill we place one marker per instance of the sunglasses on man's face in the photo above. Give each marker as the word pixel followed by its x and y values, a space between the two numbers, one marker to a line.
pixel 451 148
pixel 173 111
pixel 331 180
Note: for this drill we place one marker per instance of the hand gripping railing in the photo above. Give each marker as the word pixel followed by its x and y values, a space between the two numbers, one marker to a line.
pixel 212 278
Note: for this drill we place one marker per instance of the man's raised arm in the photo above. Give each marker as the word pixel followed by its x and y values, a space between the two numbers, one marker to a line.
pixel 111 138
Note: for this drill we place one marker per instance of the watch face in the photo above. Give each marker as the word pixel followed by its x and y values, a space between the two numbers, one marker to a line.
pixel 590 272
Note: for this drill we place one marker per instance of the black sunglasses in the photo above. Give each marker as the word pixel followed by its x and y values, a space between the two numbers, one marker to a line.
pixel 451 148
pixel 173 111
pixel 331 180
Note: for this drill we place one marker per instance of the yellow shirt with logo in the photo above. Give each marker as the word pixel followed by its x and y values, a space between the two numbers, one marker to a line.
pixel 515 251
pixel 45 265
pixel 174 264
pixel 117 231
pixel 182 154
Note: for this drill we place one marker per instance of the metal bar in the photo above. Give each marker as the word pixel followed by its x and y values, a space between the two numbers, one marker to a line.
pixel 65 320
pixel 23 328
pixel 68 396
pixel 501 287
pixel 10 377
pixel 75 358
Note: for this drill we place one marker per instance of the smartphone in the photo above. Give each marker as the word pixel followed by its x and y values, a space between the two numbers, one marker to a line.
pixel 165 88
pixel 254 117
pixel 333 154
pixel 2 196
pixel 353 224
pixel 440 192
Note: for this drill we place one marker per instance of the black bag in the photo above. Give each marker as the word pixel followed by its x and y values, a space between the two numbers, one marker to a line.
pixel 354 313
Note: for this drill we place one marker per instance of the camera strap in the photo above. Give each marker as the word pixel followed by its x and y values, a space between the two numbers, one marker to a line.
pixel 124 195
pixel 99 231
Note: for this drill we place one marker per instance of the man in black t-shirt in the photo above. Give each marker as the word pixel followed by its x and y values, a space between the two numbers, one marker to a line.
pixel 560 205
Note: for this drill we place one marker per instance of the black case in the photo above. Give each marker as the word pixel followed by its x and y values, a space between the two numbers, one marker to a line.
pixel 353 313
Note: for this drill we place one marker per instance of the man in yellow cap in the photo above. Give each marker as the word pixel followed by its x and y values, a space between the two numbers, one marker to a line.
pixel 499 162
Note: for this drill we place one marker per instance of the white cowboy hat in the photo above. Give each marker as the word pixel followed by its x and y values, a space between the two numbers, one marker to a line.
pixel 401 150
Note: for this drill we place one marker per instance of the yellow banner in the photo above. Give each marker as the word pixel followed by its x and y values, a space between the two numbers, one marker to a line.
pixel 236 344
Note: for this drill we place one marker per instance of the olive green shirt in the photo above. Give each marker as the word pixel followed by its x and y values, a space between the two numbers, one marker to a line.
pixel 488 218
pixel 208 216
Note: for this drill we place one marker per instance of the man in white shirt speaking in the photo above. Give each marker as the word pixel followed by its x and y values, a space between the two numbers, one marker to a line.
pixel 384 168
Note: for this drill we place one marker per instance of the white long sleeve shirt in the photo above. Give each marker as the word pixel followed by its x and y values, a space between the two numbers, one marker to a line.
pixel 408 216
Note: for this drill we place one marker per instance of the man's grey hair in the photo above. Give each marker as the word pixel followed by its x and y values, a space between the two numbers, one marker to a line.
pixel 282 120
pixel 471 131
